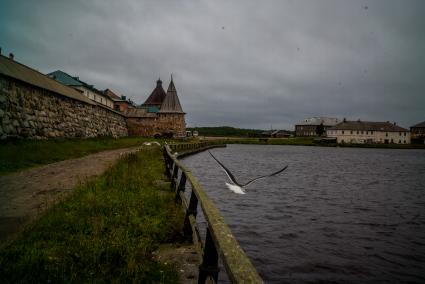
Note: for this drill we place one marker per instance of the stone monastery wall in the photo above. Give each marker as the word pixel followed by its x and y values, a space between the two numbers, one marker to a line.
pixel 30 112
pixel 163 124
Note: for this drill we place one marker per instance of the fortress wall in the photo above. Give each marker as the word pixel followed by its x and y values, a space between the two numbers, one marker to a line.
pixel 162 125
pixel 27 111
pixel 174 123
pixel 146 127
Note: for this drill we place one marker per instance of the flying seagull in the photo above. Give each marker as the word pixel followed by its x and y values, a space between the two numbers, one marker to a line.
pixel 236 186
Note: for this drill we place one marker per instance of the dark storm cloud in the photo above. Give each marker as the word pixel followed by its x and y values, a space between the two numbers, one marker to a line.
pixel 241 63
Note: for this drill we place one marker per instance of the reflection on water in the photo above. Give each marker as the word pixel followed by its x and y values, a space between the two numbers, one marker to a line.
pixel 336 214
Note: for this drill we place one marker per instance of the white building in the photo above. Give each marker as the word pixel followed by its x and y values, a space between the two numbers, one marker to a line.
pixel 308 126
pixel 87 90
pixel 366 132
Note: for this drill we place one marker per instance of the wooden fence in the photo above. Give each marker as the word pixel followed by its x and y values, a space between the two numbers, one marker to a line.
pixel 219 240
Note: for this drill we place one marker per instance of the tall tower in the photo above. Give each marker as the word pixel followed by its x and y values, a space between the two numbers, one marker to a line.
pixel 156 97
pixel 171 114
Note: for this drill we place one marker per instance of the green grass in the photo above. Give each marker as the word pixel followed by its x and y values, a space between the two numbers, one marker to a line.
pixel 105 231
pixel 21 154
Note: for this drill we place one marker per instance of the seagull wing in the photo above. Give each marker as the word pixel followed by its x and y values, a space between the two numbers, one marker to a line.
pixel 269 175
pixel 226 170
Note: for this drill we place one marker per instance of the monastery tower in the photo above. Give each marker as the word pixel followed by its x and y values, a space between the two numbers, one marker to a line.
pixel 161 115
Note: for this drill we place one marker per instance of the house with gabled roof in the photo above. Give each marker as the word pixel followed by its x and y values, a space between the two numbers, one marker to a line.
pixel 161 115
pixel 86 89
pixel 308 126
pixel 121 104
pixel 418 133
pixel 369 132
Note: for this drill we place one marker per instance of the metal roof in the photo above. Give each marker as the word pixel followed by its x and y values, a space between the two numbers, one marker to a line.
pixel 69 80
pixel 422 124
pixel 327 121
pixel 18 71
pixel 153 109
pixel 65 78
pixel 171 103
pixel 368 126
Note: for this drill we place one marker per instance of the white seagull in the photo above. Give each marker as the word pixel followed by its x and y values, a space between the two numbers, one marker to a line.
pixel 237 187
pixel 151 143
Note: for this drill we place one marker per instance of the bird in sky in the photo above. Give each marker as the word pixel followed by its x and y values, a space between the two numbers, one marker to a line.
pixel 237 187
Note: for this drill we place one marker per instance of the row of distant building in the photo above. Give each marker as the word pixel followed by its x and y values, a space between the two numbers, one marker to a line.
pixel 161 115
pixel 360 132
pixel 106 98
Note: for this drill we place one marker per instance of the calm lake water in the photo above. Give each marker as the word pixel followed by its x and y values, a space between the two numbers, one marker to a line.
pixel 337 215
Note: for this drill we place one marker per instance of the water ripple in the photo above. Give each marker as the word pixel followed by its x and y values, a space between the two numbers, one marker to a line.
pixel 337 215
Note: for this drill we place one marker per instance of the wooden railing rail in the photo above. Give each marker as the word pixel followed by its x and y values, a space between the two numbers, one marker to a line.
pixel 219 240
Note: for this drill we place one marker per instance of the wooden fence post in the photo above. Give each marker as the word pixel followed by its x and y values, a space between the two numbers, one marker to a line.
pixel 181 187
pixel 167 163
pixel 209 266
pixel 174 176
pixel 191 210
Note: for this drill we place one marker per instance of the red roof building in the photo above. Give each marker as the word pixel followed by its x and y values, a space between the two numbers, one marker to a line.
pixel 161 115
pixel 157 96
pixel 120 103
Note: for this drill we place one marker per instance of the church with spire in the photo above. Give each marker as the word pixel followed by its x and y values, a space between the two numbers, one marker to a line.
pixel 161 115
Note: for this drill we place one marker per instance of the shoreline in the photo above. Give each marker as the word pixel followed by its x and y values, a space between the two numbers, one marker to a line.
pixel 304 141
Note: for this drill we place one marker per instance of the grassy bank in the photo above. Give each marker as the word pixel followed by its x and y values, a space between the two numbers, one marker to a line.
pixel 307 141
pixel 105 231
pixel 21 154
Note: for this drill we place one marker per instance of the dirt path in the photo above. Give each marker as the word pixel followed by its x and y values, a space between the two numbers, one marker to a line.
pixel 25 194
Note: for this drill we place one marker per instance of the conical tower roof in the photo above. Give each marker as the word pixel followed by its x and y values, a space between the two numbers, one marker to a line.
pixel 157 96
pixel 171 103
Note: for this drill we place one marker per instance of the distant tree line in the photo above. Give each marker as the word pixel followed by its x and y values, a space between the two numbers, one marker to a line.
pixel 226 131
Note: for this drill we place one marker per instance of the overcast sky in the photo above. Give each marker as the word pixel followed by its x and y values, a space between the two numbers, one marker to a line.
pixel 248 64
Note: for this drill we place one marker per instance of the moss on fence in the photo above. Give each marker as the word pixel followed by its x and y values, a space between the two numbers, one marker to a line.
pixel 105 231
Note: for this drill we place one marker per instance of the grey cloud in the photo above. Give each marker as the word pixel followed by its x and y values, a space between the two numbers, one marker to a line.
pixel 241 63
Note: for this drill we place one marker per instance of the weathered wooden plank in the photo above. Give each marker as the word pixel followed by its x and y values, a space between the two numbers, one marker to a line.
pixel 197 241
pixel 183 200
pixel 209 265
